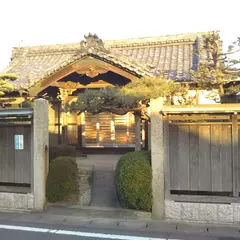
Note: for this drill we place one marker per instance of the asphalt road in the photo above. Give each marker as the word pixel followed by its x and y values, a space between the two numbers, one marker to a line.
pixel 13 232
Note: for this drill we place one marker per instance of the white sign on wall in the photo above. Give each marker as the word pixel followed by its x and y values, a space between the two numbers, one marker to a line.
pixel 18 142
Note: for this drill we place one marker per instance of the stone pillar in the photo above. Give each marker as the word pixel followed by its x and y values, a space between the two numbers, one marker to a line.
pixel 137 133
pixel 40 152
pixel 157 151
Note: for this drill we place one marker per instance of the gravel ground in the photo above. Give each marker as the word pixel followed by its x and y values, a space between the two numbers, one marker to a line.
pixel 85 185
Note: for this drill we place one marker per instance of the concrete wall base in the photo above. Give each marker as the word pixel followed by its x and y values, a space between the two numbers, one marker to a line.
pixel 16 201
pixel 202 212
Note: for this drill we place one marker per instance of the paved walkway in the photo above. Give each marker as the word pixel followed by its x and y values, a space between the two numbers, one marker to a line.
pixel 103 189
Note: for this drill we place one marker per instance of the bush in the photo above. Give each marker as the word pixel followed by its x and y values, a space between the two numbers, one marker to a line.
pixel 62 182
pixel 134 181
pixel 61 150
pixel 27 104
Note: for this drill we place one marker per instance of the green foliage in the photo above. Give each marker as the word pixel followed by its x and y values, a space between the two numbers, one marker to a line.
pixel 62 181
pixel 134 181
pixel 108 99
pixel 27 104
pixel 8 76
pixel 5 85
pixel 215 70
pixel 133 97
pixel 153 87
pixel 61 150
pixel 233 89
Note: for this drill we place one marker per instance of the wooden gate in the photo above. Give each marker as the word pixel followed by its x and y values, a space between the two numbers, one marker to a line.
pixel 15 154
pixel 91 130
pixel 15 164
pixel 202 157
pixel 108 130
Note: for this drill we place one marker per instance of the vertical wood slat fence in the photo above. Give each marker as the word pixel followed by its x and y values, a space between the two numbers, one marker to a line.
pixel 202 160
pixel 15 165
pixel 16 161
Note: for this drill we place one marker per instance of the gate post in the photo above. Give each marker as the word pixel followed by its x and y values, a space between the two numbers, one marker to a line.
pixel 40 152
pixel 157 152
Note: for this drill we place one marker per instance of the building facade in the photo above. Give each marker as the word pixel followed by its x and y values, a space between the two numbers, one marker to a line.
pixel 60 72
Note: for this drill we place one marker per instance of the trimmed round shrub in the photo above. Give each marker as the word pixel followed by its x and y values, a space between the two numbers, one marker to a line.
pixel 61 150
pixel 134 181
pixel 62 181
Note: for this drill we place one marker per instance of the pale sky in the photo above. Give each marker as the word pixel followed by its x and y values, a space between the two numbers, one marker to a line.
pixel 37 22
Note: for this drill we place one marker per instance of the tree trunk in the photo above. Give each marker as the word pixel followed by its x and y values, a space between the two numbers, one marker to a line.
pixel 137 133
pixel 221 90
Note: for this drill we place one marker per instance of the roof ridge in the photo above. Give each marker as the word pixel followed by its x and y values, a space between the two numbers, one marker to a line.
pixel 170 38
pixel 174 59
pixel 72 45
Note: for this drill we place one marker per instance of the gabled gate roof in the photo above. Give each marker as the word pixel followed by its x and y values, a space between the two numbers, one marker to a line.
pixel 172 55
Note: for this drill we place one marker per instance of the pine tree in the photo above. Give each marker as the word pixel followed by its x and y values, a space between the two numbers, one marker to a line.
pixel 133 97
pixel 215 71
pixel 5 85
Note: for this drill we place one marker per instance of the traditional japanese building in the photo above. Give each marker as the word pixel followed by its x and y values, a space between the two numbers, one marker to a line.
pixel 59 72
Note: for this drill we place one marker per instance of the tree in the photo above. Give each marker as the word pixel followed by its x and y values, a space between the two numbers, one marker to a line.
pixel 6 87
pixel 215 71
pixel 133 97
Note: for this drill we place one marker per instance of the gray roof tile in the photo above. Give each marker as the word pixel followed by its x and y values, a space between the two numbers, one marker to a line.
pixel 172 55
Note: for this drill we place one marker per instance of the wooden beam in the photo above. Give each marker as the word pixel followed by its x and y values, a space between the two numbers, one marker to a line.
pixel 90 71
pixel 91 61
pixel 17 100
pixel 81 64
pixel 77 85
pixel 201 108
pixel 197 117
pixel 47 82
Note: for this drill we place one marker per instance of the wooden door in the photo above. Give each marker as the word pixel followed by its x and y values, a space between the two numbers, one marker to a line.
pixel 15 165
pixel 108 130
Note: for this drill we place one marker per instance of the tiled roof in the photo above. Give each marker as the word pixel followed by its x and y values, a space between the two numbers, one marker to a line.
pixel 173 55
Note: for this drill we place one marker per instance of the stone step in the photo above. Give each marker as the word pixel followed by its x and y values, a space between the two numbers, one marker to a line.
pixel 85 171
pixel 84 177
pixel 84 187
pixel 84 182
pixel 97 212
pixel 119 213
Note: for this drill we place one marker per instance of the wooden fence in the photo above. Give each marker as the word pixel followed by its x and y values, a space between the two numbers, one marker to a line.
pixel 202 160
pixel 15 157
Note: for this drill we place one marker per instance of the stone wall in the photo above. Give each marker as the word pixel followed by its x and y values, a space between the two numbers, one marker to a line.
pixel 39 165
pixel 16 201
pixel 202 212
pixel 162 206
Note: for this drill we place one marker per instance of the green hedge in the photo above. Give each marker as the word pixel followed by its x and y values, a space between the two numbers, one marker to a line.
pixel 61 150
pixel 27 104
pixel 134 181
pixel 63 182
